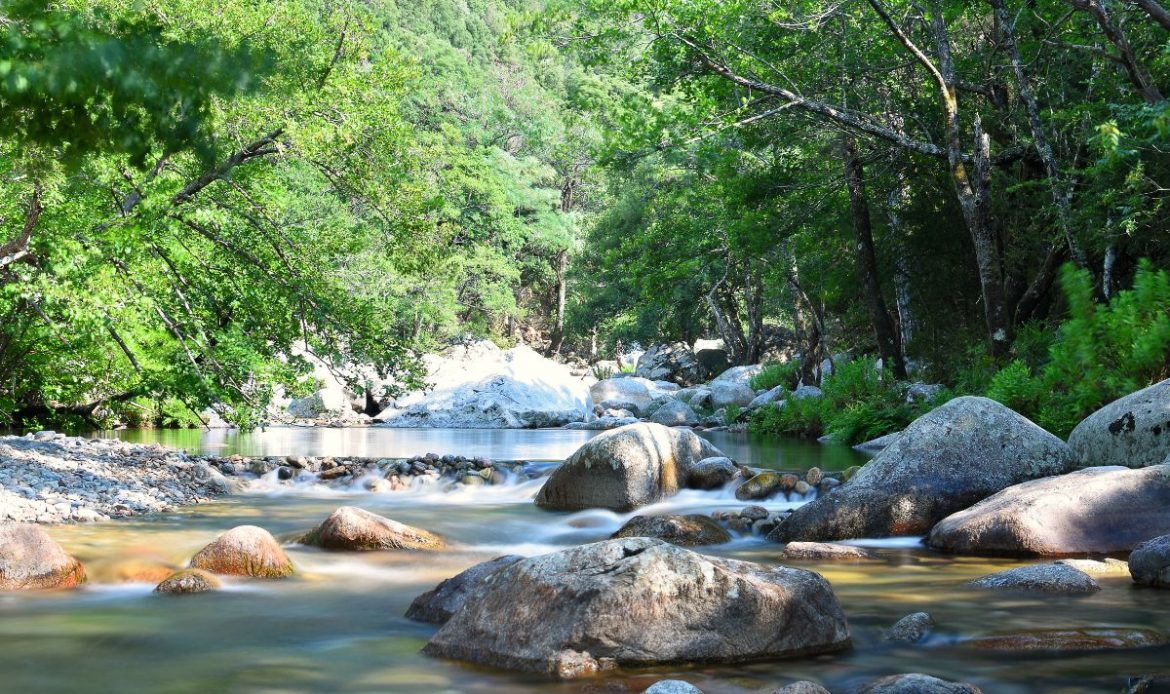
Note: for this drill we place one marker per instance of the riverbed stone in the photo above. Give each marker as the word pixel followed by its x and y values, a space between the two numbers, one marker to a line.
pixel 673 687
pixel 912 628
pixel 1088 639
pixel 640 602
pixel 917 683
pixel 245 550
pixel 712 473
pixel 825 551
pixel 760 486
pixel 625 469
pixel 804 687
pixel 1057 579
pixel 188 581
pixel 672 362
pixel 685 531
pixel 31 560
pixel 354 529
pixel 945 461
pixel 1149 563
pixel 727 394
pixel 1133 431
pixel 1099 510
pixel 438 604
pixel 635 391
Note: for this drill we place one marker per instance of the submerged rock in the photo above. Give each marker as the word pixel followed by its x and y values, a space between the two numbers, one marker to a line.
pixel 31 560
pixel 684 531
pixel 910 629
pixel 917 684
pixel 187 581
pixel 625 469
pixel 1133 431
pixel 673 687
pixel 355 529
pixel 1149 564
pixel 945 461
pixel 245 550
pixel 1095 510
pixel 640 602
pixel 438 604
pixel 825 551
pixel 1069 640
pixel 1060 579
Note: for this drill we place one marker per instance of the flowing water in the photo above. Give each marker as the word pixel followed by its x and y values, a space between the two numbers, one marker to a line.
pixel 338 625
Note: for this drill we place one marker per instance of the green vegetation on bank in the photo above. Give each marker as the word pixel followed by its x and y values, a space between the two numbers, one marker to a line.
pixel 196 195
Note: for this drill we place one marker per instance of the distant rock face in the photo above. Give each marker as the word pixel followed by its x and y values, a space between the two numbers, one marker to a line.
pixel 480 386
pixel 1060 579
pixel 685 531
pixel 354 529
pixel 945 461
pixel 675 363
pixel 625 469
pixel 639 602
pixel 437 605
pixel 1095 510
pixel 31 560
pixel 245 550
pixel 1133 431
pixel 1149 564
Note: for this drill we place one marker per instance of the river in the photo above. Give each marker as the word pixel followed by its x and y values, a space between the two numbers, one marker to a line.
pixel 338 626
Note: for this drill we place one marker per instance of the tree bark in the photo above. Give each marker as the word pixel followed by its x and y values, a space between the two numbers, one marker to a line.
pixel 898 198
pixel 866 262
pixel 1156 12
pixel 1126 55
pixel 558 335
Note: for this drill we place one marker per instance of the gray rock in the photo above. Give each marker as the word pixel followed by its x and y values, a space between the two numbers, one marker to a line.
pixel 674 413
pixel 602 424
pixel 1149 564
pixel 712 473
pixel 801 688
pixel 1133 431
pixel 640 602
pixel 727 394
pixel 761 486
pixel 625 469
pixel 738 375
pixel 685 531
pixel 31 560
pixel 923 392
pixel 767 397
pixel 1095 510
pixel 804 392
pixel 945 461
pixel 879 444
pixel 912 628
pixel 675 363
pixel 1060 579
pixel 917 684
pixel 438 604
pixel 635 391
pixel 673 687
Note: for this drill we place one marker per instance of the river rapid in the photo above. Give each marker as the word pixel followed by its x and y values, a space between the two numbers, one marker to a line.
pixel 338 627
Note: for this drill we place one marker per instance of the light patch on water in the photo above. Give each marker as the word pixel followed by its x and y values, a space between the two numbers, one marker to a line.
pixel 887 542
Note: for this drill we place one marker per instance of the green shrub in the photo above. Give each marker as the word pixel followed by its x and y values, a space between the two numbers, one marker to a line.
pixel 1100 353
pixel 602 371
pixel 801 417
pixel 777 374
pixel 731 414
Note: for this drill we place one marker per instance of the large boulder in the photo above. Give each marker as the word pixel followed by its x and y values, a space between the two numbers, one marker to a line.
pixel 1133 431
pixel 438 604
pixel 624 469
pixel 685 531
pixel 636 391
pixel 1149 564
pixel 674 413
pixel 727 394
pixel 1095 510
pixel 738 375
pixel 31 560
pixel 332 401
pixel 640 602
pixel 245 550
pixel 917 683
pixel 945 461
pixel 675 363
pixel 354 529
pixel 480 386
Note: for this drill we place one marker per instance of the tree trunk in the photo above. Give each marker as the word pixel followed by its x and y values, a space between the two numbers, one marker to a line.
pixel 1126 55
pixel 866 262
pixel 899 196
pixel 1156 12
pixel 558 335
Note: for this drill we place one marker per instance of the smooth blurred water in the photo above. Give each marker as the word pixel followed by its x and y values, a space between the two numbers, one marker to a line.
pixel 338 627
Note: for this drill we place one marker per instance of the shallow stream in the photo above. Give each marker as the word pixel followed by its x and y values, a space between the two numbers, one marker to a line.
pixel 338 626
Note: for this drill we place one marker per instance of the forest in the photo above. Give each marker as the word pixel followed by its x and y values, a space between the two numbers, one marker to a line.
pixel 970 192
